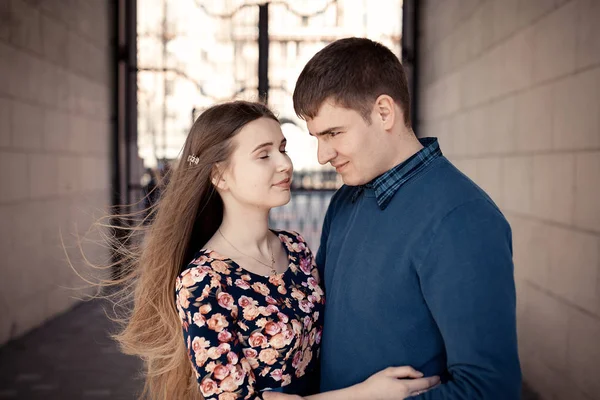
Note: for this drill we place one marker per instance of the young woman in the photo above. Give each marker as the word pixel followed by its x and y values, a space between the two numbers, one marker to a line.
pixel 247 298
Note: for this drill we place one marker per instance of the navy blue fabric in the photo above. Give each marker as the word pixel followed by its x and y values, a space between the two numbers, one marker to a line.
pixel 427 281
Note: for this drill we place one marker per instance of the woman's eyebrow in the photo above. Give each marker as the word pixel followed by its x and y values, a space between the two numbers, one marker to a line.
pixel 260 146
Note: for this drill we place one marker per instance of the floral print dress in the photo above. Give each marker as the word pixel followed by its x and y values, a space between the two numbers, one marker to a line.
pixel 246 332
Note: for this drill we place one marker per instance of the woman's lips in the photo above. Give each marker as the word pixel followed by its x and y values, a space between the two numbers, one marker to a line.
pixel 284 183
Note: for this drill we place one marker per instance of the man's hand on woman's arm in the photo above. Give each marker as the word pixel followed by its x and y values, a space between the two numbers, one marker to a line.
pixel 392 383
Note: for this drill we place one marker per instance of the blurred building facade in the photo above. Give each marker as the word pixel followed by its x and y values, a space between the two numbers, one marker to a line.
pixel 194 53
pixel 512 89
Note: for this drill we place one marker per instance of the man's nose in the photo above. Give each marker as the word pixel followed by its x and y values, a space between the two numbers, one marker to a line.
pixel 325 153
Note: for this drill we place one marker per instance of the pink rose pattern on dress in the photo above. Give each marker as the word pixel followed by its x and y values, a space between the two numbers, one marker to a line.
pixel 245 332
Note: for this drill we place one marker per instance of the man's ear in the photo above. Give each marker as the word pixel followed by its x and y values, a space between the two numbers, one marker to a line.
pixel 385 110
pixel 217 177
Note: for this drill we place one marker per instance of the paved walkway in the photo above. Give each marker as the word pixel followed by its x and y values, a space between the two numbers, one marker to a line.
pixel 70 357
pixel 73 357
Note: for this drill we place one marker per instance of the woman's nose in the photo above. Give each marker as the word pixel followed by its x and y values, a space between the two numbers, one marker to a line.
pixel 285 164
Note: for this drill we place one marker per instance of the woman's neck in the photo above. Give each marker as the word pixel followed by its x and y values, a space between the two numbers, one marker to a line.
pixel 247 230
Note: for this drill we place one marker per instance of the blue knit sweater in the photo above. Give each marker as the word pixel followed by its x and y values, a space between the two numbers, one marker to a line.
pixel 427 281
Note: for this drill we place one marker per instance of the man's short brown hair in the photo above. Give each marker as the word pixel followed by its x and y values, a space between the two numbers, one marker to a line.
pixel 353 72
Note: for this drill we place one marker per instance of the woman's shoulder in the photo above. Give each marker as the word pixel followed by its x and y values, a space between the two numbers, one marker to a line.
pixel 294 242
pixel 206 258
pixel 290 235
pixel 206 266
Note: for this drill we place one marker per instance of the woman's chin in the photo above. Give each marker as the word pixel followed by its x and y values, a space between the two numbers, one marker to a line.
pixel 282 200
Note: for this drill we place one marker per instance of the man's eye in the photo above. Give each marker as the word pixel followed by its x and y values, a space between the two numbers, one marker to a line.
pixel 332 134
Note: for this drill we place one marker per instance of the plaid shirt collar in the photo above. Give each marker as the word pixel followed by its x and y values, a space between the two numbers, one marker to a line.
pixel 386 185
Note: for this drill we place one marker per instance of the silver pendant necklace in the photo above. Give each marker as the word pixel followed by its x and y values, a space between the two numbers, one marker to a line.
pixel 271 267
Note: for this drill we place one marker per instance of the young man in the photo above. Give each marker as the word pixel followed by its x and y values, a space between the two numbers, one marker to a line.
pixel 416 258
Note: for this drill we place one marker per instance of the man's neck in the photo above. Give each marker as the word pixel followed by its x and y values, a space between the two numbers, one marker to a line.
pixel 407 145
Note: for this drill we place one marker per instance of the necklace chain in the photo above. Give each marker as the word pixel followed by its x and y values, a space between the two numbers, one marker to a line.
pixel 271 267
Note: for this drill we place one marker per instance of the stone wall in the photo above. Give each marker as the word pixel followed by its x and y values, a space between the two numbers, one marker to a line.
pixel 55 130
pixel 512 89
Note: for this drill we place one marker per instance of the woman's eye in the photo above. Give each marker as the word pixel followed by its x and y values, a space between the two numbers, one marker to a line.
pixel 264 156
pixel 333 134
pixel 284 151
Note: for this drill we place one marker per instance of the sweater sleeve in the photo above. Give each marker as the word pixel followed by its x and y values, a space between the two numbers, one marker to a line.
pixel 467 281
pixel 208 318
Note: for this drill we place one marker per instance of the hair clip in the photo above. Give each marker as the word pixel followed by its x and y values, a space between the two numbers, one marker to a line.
pixel 193 160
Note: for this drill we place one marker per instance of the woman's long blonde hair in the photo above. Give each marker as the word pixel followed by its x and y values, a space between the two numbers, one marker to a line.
pixel 182 221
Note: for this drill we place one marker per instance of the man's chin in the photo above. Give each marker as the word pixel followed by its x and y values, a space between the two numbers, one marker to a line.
pixel 350 182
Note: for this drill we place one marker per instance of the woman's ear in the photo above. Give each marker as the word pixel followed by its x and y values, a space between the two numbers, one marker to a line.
pixel 217 178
